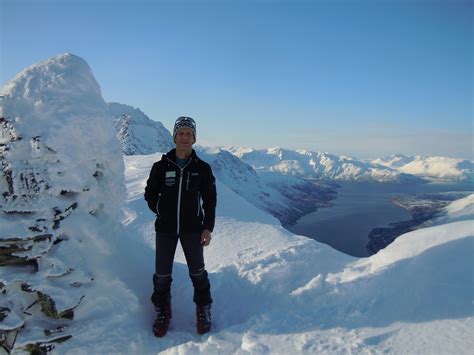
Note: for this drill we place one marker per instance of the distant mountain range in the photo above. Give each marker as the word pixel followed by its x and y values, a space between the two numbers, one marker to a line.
pixel 141 135
pixel 432 168
pixel 285 197
pixel 317 165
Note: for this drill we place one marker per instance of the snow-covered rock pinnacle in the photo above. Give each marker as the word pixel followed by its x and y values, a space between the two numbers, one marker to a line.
pixel 61 187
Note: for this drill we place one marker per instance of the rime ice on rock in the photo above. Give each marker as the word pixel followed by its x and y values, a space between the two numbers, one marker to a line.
pixel 60 166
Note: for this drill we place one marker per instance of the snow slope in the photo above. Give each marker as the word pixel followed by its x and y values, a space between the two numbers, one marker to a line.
pixel 279 293
pixel 318 165
pixel 432 168
pixel 137 132
pixel 274 292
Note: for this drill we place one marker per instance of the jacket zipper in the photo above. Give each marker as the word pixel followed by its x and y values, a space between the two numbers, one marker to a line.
pixel 179 191
pixel 179 201
pixel 157 203
pixel 199 204
pixel 187 183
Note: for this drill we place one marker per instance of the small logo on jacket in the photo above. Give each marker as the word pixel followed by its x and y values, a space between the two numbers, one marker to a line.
pixel 170 174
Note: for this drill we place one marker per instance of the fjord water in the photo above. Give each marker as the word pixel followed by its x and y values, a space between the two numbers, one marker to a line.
pixel 360 207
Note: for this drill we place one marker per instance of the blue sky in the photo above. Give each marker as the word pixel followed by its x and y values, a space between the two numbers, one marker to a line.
pixel 361 78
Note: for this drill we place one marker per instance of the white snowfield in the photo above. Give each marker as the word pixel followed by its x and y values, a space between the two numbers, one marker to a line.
pixel 274 292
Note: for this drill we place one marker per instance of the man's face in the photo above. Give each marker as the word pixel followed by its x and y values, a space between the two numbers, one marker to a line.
pixel 184 138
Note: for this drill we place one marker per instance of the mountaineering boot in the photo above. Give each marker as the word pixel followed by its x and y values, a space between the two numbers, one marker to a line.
pixel 203 319
pixel 162 321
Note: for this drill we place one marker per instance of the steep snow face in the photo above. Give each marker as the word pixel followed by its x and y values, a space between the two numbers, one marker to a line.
pixel 432 168
pixel 319 165
pixel 137 132
pixel 61 188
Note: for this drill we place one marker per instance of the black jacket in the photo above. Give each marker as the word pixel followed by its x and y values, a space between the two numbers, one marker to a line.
pixel 175 194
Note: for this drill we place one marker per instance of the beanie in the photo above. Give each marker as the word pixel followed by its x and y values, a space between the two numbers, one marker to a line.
pixel 184 122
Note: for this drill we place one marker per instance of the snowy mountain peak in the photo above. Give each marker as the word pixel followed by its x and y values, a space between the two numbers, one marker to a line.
pixel 303 151
pixel 275 150
pixel 137 132
pixel 117 109
pixel 393 161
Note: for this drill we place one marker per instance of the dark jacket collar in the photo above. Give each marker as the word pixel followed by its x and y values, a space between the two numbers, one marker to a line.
pixel 171 155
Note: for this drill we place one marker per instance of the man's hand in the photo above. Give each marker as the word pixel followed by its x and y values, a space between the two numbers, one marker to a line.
pixel 205 237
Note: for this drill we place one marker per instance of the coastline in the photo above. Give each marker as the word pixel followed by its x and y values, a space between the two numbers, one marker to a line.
pixel 422 207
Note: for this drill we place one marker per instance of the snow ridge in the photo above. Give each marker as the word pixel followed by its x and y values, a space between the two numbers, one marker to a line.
pixel 319 165
pixel 137 132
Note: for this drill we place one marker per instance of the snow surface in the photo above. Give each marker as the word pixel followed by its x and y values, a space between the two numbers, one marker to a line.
pixel 274 292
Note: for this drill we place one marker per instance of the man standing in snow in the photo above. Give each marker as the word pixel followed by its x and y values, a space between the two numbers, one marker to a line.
pixel 174 190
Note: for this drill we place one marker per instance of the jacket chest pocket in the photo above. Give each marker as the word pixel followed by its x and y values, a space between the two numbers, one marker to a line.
pixel 192 181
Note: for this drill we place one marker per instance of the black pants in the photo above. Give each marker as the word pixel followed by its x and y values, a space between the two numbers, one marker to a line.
pixel 193 251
